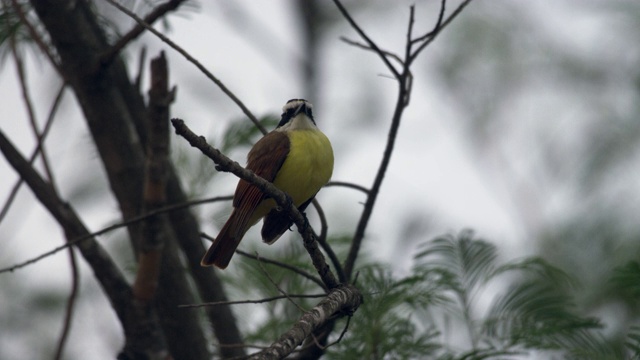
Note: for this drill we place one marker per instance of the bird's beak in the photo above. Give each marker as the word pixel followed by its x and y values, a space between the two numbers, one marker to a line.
pixel 302 109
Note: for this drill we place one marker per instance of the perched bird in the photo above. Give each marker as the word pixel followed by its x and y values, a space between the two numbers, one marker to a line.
pixel 298 159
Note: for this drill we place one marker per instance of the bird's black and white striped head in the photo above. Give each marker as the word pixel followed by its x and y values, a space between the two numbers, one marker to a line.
pixel 297 114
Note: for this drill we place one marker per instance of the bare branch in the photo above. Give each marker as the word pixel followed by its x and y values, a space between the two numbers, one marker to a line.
pixel 369 48
pixel 66 326
pixel 348 185
pixel 24 87
pixel 429 37
pixel 296 270
pixel 34 155
pixel 366 38
pixel 343 300
pixel 195 62
pixel 260 301
pixel 160 11
pixel 405 80
pixel 112 281
pixel 154 229
pixel 75 240
pixel 284 293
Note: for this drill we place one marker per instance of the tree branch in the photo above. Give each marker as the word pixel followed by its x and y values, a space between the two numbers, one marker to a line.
pixel 365 37
pixel 154 230
pixel 405 80
pixel 160 11
pixel 195 62
pixel 294 269
pixel 34 155
pixel 70 308
pixel 341 301
pixel 167 209
pixel 111 280
pixel 260 301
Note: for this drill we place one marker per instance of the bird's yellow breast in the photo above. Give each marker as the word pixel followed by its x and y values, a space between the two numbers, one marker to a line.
pixel 308 166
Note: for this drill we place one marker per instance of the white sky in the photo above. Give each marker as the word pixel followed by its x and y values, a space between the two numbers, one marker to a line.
pixel 434 174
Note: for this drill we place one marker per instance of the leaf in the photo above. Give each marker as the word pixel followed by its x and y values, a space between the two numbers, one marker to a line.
pixel 633 341
pixel 538 268
pixel 626 279
pixel 536 314
pixel 383 328
pixel 469 260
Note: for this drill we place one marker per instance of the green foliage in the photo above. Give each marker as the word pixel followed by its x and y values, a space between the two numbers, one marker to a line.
pixel 383 326
pixel 633 342
pixel 432 310
pixel 408 317
pixel 626 280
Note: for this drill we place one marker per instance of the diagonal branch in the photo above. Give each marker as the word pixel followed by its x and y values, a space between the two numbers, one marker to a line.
pixel 365 37
pixel 43 134
pixel 341 301
pixel 195 62
pixel 292 268
pixel 166 209
pixel 160 11
pixel 440 25
pixel 108 275
pixel 226 164
pixel 404 92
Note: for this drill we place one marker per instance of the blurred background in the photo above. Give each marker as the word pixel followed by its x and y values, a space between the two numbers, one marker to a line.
pixel 524 126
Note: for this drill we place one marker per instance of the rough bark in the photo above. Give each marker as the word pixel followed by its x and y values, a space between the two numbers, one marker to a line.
pixel 114 112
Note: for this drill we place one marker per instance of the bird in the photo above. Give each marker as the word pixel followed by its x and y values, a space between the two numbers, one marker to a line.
pixel 298 159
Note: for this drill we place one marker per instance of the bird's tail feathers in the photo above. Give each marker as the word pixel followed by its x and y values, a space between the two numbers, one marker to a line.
pixel 225 244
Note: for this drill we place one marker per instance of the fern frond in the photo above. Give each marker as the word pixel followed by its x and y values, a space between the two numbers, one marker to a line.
pixel 470 261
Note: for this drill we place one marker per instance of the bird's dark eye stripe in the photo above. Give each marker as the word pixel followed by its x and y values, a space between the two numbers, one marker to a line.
pixel 286 116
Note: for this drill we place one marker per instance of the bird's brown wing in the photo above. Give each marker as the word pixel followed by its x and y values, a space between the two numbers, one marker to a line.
pixel 265 159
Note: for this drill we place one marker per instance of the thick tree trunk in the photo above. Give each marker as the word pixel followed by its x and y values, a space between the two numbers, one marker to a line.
pixel 114 112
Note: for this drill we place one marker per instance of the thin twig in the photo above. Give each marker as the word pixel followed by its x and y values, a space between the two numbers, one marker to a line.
pixel 295 269
pixel 322 240
pixel 24 88
pixel 286 266
pixel 34 155
pixel 195 62
pixel 284 293
pixel 70 308
pixel 343 300
pixel 436 28
pixel 349 185
pixel 401 104
pixel 404 92
pixel 429 37
pixel 259 301
pixel 369 48
pixel 133 220
pixel 160 11
pixel 366 38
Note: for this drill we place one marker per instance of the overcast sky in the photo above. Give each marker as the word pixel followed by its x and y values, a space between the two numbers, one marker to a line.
pixel 443 176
